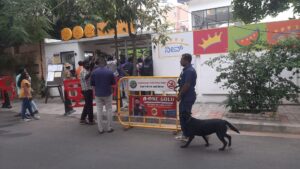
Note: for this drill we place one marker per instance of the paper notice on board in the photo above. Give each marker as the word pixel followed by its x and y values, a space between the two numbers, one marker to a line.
pixel 59 67
pixel 50 77
pixel 52 68
pixel 57 74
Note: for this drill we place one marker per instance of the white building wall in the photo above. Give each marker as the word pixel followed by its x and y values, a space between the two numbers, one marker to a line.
pixel 77 47
pixel 195 5
pixel 57 47
pixel 206 89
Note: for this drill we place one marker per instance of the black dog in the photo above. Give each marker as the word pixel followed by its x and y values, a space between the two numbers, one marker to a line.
pixel 196 127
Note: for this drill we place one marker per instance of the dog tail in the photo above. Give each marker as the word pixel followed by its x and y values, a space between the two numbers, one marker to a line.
pixel 232 127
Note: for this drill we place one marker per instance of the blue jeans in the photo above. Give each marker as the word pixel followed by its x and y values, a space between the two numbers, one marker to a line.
pixel 185 111
pixel 26 104
pixel 33 107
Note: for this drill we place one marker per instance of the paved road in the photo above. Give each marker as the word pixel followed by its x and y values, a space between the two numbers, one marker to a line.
pixel 57 142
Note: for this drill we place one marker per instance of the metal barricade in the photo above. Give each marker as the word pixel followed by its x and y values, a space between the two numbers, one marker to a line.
pixel 73 93
pixel 152 102
pixel 7 86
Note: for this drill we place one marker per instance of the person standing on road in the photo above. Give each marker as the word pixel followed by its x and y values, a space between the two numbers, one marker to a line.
pixel 32 103
pixel 26 96
pixel 187 94
pixel 102 79
pixel 87 92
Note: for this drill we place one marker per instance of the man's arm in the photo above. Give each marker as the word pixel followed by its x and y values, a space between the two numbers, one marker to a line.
pixel 183 90
pixel 186 85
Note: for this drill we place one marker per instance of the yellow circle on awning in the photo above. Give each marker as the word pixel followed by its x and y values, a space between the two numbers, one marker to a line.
pixel 77 32
pixel 89 30
pixel 66 34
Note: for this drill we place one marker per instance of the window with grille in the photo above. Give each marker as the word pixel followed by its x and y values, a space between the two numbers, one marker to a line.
pixel 211 18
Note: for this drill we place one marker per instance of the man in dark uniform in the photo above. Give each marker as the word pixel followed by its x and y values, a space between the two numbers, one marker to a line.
pixel 187 94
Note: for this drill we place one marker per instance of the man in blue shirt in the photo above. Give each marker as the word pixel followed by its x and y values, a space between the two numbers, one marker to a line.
pixel 102 80
pixel 187 94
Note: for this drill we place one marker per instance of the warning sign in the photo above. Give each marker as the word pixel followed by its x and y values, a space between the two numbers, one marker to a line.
pixel 147 105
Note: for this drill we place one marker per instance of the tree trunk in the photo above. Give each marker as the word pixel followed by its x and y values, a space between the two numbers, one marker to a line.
pixel 116 44
pixel 41 57
pixel 133 38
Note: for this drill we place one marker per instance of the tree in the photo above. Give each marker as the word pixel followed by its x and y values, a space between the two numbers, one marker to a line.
pixel 145 15
pixel 22 21
pixel 108 11
pixel 142 14
pixel 65 13
pixel 255 10
pixel 254 76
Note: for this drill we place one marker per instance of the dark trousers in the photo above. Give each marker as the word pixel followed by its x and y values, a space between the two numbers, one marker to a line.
pixel 185 111
pixel 88 105
pixel 6 103
pixel 68 103
pixel 26 105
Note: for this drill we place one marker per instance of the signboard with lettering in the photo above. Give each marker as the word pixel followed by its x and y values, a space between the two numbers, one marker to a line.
pixel 89 31
pixel 178 44
pixel 283 30
pixel 54 74
pixel 152 84
pixel 156 106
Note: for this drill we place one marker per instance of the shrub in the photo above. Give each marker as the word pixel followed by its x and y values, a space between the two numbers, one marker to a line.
pixel 254 78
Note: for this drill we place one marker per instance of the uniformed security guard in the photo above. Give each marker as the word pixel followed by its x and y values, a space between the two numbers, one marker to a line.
pixel 187 94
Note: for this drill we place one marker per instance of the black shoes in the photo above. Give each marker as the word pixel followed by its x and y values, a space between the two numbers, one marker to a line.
pixel 110 131
pixel 91 123
pixel 70 112
pixel 6 106
pixel 83 122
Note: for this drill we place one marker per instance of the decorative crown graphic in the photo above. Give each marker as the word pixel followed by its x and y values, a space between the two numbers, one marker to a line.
pixel 211 40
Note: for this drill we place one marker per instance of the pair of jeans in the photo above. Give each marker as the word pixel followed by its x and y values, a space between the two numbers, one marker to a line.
pixel 88 105
pixel 33 107
pixel 185 112
pixel 26 104
pixel 107 102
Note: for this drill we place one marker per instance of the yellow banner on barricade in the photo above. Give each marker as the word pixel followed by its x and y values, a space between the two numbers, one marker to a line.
pixel 148 102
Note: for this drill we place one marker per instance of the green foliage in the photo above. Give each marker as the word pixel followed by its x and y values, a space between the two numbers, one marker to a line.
pixel 255 10
pixel 254 76
pixel 22 21
pixel 8 64
pixel 144 15
pixel 64 14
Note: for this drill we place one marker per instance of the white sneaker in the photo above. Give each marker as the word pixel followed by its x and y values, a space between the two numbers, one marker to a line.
pixel 181 138
pixel 36 117
pixel 26 120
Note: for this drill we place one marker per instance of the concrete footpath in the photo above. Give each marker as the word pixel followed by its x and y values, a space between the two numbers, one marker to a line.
pixel 286 120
